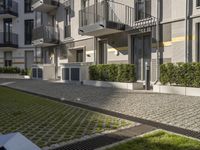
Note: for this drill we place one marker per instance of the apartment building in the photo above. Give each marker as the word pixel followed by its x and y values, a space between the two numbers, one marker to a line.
pixel 16 24
pixel 125 32
pixel 72 33
pixel 56 37
pixel 143 31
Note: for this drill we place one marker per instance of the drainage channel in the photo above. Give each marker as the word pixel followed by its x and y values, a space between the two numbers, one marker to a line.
pixel 107 139
pixel 158 125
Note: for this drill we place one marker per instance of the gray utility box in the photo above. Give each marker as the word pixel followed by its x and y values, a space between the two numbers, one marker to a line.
pixel 16 141
pixel 44 71
pixel 75 71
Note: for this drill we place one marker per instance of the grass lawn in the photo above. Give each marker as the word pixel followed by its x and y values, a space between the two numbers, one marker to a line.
pixel 47 122
pixel 160 140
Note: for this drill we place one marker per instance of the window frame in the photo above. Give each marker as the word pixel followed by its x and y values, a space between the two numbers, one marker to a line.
pixel 144 4
pixel 67 22
pixel 29 35
pixel 27 2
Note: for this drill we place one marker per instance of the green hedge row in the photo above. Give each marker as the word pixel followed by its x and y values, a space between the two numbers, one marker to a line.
pixel 182 74
pixel 14 70
pixel 113 72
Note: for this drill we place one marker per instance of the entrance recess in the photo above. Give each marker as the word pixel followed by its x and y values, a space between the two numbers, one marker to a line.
pixel 141 54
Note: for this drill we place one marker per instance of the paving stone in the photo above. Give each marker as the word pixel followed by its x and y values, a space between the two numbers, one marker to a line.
pixel 176 110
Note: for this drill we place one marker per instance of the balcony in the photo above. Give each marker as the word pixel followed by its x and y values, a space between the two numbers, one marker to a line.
pixel 9 10
pixel 105 17
pixel 44 5
pixel 108 17
pixel 8 40
pixel 45 36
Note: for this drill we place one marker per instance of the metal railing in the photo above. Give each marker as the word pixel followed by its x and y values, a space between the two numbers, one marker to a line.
pixel 111 11
pixel 48 33
pixel 8 39
pixel 49 2
pixel 11 7
pixel 102 11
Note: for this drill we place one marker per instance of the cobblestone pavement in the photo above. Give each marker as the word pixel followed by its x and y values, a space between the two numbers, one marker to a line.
pixel 175 110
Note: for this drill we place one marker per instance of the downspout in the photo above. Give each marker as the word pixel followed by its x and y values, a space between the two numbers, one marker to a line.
pixel 186 31
pixel 158 40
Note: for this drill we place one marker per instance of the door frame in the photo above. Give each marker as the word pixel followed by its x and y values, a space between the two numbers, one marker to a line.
pixel 132 52
pixel 103 60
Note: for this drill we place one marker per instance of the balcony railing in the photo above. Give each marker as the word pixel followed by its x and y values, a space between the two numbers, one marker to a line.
pixel 47 2
pixel 10 8
pixel 49 34
pixel 112 12
pixel 105 11
pixel 8 39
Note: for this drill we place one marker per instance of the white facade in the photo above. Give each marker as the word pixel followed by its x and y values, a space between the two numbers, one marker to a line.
pixel 18 27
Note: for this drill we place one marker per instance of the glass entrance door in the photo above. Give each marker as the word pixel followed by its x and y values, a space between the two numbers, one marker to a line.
pixel 141 54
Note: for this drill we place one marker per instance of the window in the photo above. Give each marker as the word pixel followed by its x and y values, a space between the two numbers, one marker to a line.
pixel 27 6
pixel 143 9
pixel 68 23
pixel 85 3
pixel 198 3
pixel 79 56
pixel 7 59
pixel 28 31
pixel 8 31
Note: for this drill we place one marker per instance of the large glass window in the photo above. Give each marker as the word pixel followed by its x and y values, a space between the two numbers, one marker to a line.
pixel 68 23
pixel 143 9
pixel 7 31
pixel 198 3
pixel 28 31
pixel 85 3
pixel 27 6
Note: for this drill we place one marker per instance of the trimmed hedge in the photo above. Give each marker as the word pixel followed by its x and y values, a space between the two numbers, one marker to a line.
pixel 14 70
pixel 182 74
pixel 10 70
pixel 113 72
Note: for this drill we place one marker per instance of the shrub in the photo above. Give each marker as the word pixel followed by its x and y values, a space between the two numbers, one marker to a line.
pixel 25 72
pixel 10 70
pixel 113 72
pixel 182 74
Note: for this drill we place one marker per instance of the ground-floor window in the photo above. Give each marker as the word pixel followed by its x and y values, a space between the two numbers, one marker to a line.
pixel 7 59
pixel 79 55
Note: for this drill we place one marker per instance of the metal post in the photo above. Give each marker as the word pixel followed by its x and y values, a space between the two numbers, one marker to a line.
pixel 158 40
pixel 147 76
